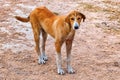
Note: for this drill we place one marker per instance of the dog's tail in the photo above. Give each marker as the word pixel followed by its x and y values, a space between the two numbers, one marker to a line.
pixel 22 19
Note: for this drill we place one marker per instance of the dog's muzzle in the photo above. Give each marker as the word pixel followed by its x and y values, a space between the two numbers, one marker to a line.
pixel 76 25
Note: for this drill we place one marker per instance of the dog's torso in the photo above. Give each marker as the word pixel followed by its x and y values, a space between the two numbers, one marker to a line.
pixel 51 23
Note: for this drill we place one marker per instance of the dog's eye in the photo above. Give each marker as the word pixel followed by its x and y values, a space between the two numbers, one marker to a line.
pixel 78 19
pixel 72 18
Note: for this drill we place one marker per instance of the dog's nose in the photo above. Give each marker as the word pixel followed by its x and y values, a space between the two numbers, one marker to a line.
pixel 76 25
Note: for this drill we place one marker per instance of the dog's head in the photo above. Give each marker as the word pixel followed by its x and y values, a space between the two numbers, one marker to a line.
pixel 74 19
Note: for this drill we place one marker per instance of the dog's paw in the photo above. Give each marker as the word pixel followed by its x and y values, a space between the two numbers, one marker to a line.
pixel 70 70
pixel 45 58
pixel 61 72
pixel 41 61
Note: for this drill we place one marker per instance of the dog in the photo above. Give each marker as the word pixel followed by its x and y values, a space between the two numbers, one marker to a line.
pixel 61 27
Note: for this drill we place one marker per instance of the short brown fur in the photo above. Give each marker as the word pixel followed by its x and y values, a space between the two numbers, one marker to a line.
pixel 59 27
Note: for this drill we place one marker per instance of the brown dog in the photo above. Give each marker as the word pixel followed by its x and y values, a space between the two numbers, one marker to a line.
pixel 62 28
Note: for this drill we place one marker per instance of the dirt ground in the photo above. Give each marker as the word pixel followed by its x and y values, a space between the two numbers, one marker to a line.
pixel 96 47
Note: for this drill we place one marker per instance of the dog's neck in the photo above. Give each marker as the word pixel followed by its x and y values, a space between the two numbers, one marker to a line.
pixel 69 27
pixel 71 34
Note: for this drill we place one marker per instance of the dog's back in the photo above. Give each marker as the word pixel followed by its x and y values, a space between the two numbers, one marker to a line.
pixel 39 13
pixel 42 13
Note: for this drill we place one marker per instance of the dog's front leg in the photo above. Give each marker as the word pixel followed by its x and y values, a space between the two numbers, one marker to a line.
pixel 68 50
pixel 58 45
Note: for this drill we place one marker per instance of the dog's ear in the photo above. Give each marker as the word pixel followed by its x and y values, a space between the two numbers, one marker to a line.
pixel 67 19
pixel 83 16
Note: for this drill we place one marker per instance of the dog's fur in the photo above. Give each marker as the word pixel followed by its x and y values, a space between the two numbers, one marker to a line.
pixel 61 28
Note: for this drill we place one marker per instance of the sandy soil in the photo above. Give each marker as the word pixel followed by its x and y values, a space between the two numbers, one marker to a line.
pixel 96 47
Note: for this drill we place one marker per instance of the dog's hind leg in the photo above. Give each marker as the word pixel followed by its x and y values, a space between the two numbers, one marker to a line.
pixel 44 38
pixel 37 30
